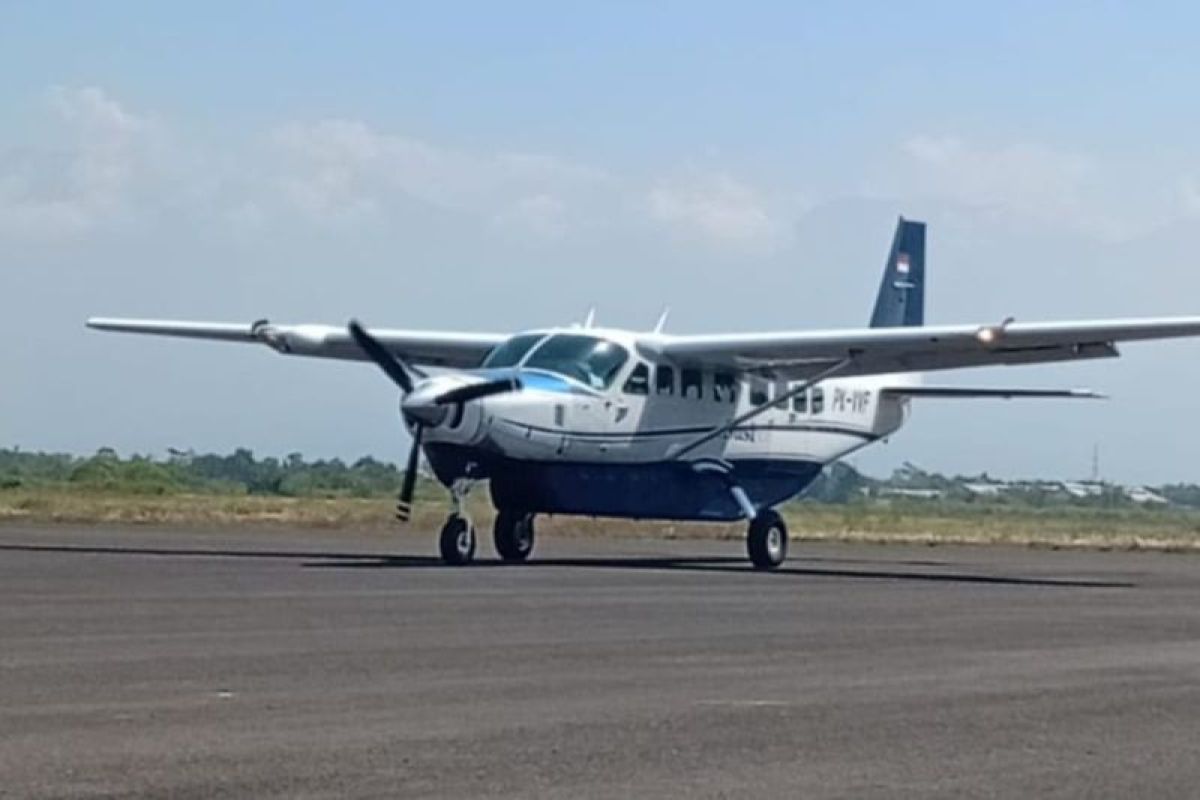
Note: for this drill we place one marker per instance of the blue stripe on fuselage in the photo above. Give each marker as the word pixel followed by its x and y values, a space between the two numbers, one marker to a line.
pixel 655 490
pixel 536 379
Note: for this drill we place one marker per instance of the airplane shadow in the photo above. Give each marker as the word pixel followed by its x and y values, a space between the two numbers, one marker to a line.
pixel 718 564
pixel 704 564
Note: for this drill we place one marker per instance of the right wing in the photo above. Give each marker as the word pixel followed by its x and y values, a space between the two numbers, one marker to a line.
pixel 875 351
pixel 972 393
pixel 433 348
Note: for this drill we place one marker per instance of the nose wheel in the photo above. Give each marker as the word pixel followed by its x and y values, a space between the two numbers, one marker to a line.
pixel 457 540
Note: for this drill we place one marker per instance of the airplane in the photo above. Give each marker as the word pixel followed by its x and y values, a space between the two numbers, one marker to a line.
pixel 601 422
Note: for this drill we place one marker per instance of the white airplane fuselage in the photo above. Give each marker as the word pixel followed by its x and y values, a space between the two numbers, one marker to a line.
pixel 562 446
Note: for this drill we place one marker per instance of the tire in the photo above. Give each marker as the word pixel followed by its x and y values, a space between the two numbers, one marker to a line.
pixel 767 540
pixel 457 541
pixel 513 535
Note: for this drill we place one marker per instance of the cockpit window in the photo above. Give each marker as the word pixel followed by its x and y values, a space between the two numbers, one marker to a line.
pixel 510 353
pixel 639 380
pixel 594 362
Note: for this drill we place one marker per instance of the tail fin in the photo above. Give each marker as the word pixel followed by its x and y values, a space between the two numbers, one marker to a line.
pixel 901 300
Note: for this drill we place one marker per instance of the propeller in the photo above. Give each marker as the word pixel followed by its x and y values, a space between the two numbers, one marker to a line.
pixel 400 373
pixel 404 503
pixel 477 391
pixel 423 408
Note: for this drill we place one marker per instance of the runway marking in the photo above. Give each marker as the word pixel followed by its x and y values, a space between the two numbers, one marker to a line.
pixel 747 703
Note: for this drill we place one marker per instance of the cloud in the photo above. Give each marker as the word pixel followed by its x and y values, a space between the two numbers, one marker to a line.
pixel 340 169
pixel 116 167
pixel 1028 179
pixel 715 207
pixel 336 169
pixel 94 110
pixel 91 180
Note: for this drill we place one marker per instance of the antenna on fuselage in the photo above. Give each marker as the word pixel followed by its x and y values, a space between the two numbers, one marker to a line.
pixel 662 319
pixel 590 317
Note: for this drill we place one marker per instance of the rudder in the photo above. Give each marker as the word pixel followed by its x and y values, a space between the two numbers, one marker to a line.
pixel 901 299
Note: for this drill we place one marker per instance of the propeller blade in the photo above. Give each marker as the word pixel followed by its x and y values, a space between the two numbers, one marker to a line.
pixel 404 504
pixel 475 391
pixel 389 362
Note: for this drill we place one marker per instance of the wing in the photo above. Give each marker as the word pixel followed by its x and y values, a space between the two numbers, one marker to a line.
pixel 873 351
pixel 435 348
pixel 972 393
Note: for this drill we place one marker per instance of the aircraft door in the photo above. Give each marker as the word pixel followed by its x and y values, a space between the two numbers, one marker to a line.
pixel 588 419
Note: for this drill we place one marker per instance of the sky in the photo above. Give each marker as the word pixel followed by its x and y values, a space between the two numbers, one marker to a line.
pixel 494 167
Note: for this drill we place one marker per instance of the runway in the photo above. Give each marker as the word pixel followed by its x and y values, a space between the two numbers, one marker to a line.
pixel 296 664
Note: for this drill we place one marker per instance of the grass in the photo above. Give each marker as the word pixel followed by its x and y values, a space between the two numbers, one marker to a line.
pixel 930 524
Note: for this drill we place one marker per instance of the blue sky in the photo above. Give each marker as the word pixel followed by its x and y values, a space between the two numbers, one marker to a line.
pixel 495 166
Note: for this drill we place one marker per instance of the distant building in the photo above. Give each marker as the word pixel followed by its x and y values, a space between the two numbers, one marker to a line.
pixel 920 494
pixel 1143 496
pixel 986 489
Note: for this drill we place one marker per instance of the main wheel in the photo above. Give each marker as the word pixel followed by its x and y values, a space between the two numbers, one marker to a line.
pixel 457 541
pixel 513 534
pixel 767 540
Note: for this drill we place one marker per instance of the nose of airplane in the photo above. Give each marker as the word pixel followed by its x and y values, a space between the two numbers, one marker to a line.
pixel 421 404
pixel 432 399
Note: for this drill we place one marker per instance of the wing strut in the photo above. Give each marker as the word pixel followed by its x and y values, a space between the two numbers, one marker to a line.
pixel 737 422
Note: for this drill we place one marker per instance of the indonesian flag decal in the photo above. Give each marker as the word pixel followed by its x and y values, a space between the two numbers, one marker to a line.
pixel 902 263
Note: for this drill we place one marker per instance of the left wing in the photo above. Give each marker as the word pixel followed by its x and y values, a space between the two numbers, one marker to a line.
pixel 435 348
pixel 874 351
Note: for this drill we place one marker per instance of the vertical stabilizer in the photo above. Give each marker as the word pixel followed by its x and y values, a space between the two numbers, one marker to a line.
pixel 901 300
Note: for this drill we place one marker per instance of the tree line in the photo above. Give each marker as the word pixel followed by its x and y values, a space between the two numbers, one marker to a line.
pixel 240 472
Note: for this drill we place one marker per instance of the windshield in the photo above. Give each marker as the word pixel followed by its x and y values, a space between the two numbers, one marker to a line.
pixel 595 362
pixel 511 352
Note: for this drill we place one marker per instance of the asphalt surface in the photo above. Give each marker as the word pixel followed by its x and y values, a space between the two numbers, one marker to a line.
pixel 293 664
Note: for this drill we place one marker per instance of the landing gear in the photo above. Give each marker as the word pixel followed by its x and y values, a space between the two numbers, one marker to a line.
pixel 513 534
pixel 767 540
pixel 457 541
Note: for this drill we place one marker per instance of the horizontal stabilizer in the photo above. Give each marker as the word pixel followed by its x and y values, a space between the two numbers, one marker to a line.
pixel 969 393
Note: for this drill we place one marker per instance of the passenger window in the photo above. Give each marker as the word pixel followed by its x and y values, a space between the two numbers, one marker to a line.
pixel 724 387
pixel 818 400
pixel 759 394
pixel 691 384
pixel 639 380
pixel 800 403
pixel 664 381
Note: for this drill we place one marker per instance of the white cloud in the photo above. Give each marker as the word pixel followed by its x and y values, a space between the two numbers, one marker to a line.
pixel 1029 179
pixel 715 207
pixel 339 167
pixel 91 180
pixel 91 108
pixel 117 167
